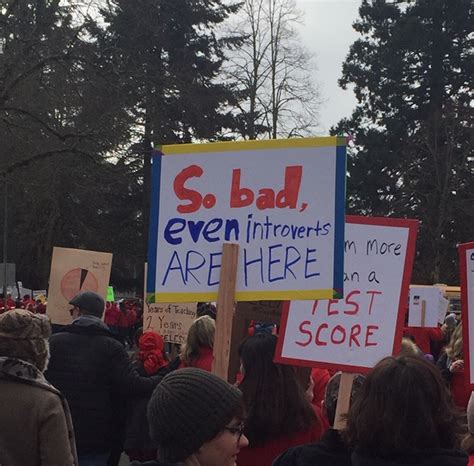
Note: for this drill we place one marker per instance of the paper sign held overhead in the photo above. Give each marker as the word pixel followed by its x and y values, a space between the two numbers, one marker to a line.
pixel 281 201
pixel 466 265
pixel 427 306
pixel 73 271
pixel 354 333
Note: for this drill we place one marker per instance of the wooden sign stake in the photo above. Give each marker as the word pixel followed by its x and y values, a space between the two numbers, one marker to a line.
pixel 423 313
pixel 225 309
pixel 343 400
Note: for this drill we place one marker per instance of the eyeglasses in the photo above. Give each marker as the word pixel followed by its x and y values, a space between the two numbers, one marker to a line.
pixel 71 311
pixel 236 430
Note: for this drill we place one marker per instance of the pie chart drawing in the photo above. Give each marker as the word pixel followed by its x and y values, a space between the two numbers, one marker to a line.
pixel 77 280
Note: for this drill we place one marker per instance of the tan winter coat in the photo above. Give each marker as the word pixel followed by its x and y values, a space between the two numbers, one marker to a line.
pixel 35 426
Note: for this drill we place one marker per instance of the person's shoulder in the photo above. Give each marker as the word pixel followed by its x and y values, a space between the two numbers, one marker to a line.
pixel 329 451
pixel 299 456
pixel 146 463
pixel 39 394
pixel 154 463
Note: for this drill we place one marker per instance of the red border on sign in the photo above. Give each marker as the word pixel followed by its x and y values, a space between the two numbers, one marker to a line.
pixel 462 249
pixel 412 226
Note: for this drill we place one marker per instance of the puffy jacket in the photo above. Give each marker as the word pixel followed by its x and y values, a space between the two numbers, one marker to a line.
pixel 95 374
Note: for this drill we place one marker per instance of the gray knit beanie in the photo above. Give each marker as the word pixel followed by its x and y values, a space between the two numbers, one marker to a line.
pixel 188 408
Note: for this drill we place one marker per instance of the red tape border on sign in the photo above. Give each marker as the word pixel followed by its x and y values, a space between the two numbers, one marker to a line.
pixel 412 226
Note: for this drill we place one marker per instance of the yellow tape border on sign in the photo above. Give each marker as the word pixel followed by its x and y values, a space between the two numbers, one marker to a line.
pixel 280 295
pixel 227 146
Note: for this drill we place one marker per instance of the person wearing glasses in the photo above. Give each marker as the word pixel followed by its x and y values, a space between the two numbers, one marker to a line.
pixel 94 372
pixel 195 419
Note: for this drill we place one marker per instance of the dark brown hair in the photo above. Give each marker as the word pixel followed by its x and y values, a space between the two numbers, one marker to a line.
pixel 275 401
pixel 404 404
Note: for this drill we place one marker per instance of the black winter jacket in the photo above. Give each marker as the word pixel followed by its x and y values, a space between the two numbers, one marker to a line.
pixel 137 432
pixel 437 457
pixel 154 463
pixel 329 451
pixel 93 371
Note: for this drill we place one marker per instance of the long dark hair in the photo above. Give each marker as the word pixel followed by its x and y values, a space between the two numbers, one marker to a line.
pixel 403 405
pixel 274 399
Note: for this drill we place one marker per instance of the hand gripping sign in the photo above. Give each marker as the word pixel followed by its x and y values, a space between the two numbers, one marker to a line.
pixel 466 265
pixel 354 333
pixel 282 202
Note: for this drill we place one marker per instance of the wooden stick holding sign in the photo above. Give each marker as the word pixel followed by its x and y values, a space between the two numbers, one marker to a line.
pixel 423 313
pixel 343 400
pixel 225 309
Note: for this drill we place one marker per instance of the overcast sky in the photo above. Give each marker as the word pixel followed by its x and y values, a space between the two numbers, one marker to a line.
pixel 328 33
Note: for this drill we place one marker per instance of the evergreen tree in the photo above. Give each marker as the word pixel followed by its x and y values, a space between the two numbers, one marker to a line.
pixel 59 121
pixel 412 71
pixel 167 57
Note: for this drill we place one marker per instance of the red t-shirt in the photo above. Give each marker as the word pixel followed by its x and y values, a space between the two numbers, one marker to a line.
pixel 459 390
pixel 203 361
pixel 265 454
pixel 112 315
pixel 471 460
pixel 424 336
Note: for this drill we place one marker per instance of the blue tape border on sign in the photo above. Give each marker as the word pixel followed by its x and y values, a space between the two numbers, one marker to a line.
pixel 154 214
pixel 339 215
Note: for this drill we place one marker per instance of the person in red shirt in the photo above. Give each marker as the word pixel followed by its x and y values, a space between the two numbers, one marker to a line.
pixel 451 364
pixel 111 316
pixel 10 302
pixel 279 415
pixel 27 301
pixel 197 351
pixel 424 337
pixel 320 379
pixel 40 308
pixel 122 322
pixel 150 360
pixel 468 441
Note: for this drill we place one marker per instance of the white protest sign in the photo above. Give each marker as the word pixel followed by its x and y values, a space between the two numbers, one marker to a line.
pixel 429 298
pixel 443 308
pixel 354 333
pixel 170 320
pixel 466 265
pixel 281 201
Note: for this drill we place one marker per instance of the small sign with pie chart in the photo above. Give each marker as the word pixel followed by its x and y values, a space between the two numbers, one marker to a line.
pixel 73 271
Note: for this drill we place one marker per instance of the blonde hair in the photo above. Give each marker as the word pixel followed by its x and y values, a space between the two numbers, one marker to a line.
pixel 454 348
pixel 201 334
pixel 409 348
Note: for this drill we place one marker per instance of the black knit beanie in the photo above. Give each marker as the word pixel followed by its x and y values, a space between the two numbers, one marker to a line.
pixel 188 408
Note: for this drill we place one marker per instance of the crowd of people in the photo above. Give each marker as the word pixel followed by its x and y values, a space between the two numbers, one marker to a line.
pixel 37 306
pixel 91 391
